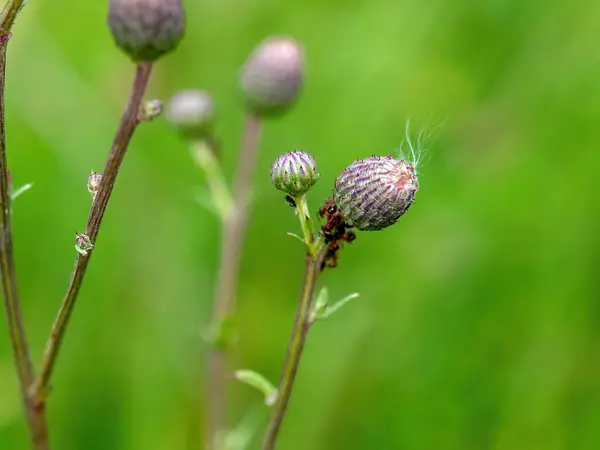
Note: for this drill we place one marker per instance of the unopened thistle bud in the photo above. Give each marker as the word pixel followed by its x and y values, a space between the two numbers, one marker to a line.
pixel 294 172
pixel 192 112
pixel 373 193
pixel 146 29
pixel 272 76
pixel 93 183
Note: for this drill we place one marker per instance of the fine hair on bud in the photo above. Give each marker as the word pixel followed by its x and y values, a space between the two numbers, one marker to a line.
pixel 373 193
pixel 192 112
pixel 294 172
pixel 146 29
pixel 417 151
pixel 272 76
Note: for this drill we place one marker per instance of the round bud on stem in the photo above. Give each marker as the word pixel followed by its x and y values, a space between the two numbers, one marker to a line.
pixel 146 29
pixel 373 193
pixel 294 172
pixel 272 76
pixel 192 112
pixel 150 110
pixel 93 183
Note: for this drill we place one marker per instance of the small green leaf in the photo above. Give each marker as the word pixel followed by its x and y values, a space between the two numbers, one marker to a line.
pixel 239 438
pixel 295 236
pixel 320 305
pixel 330 310
pixel 259 382
pixel 223 333
pixel 17 192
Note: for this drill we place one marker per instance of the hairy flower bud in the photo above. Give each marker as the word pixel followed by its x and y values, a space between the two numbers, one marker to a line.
pixel 294 172
pixel 373 193
pixel 192 112
pixel 271 78
pixel 146 29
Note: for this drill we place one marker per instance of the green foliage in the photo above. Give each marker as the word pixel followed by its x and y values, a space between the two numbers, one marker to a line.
pixel 478 325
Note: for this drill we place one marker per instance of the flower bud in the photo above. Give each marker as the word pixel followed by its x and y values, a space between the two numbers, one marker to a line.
pixel 83 244
pixel 150 110
pixel 373 193
pixel 294 172
pixel 271 78
pixel 146 29
pixel 93 183
pixel 192 112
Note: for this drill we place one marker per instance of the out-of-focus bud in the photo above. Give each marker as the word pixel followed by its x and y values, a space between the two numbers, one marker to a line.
pixel 272 76
pixel 150 110
pixel 146 29
pixel 192 112
pixel 373 193
pixel 93 183
pixel 294 172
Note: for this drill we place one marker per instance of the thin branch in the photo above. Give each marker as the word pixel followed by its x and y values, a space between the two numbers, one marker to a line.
pixel 36 418
pixel 127 126
pixel 300 330
pixel 232 239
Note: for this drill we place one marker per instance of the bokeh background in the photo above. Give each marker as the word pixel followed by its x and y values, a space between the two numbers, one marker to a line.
pixel 478 325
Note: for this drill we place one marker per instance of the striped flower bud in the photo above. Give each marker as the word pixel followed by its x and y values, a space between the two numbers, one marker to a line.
pixel 294 172
pixel 271 78
pixel 146 29
pixel 373 193
pixel 192 112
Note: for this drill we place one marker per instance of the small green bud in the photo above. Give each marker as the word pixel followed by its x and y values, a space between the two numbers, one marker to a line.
pixel 192 112
pixel 272 76
pixel 373 193
pixel 150 110
pixel 83 244
pixel 93 183
pixel 146 29
pixel 294 172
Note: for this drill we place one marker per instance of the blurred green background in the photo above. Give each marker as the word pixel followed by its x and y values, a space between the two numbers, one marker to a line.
pixel 478 325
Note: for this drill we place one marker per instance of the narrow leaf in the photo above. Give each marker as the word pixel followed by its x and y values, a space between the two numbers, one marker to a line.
pixel 17 192
pixel 259 382
pixel 320 305
pixel 330 310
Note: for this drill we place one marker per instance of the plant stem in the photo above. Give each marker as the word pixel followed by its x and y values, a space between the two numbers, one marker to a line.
pixel 129 122
pixel 36 418
pixel 204 155
pixel 232 238
pixel 314 258
pixel 305 220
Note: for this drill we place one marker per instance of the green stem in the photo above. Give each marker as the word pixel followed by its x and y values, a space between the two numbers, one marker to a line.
pixel 205 157
pixel 9 14
pixel 36 418
pixel 232 239
pixel 297 340
pixel 305 220
pixel 127 126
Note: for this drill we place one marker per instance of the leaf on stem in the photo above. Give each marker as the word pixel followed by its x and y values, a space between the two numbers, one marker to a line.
pixel 294 235
pixel 323 310
pixel 259 382
pixel 17 192
pixel 239 438
pixel 223 333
